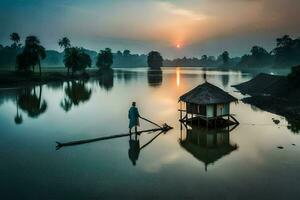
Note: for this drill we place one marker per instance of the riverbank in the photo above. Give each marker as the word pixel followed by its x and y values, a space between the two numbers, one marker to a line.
pixel 10 79
pixel 272 93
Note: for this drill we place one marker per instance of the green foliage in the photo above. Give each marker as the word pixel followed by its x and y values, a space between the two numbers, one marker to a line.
pixel 225 57
pixel 155 60
pixel 294 75
pixel 287 52
pixel 105 59
pixel 259 58
pixel 32 54
pixel 64 43
pixel 126 52
pixel 126 59
pixel 75 59
pixel 8 56
pixel 15 37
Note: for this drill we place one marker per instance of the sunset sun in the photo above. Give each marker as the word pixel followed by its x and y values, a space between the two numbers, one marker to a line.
pixel 178 46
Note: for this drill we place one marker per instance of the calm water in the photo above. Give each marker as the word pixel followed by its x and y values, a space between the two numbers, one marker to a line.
pixel 193 164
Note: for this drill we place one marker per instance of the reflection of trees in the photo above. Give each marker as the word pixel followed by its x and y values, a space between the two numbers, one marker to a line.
pixel 18 117
pixel 225 80
pixel 119 74
pixel 294 125
pixel 76 93
pixel 31 103
pixel 126 75
pixel 106 79
pixel 154 77
pixel 56 85
pixel 204 76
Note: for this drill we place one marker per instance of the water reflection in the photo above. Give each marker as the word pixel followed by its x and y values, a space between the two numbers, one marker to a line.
pixel 18 117
pixel 59 85
pixel 178 77
pixel 135 148
pixel 125 75
pixel 155 77
pixel 293 125
pixel 76 93
pixel 8 95
pixel 106 80
pixel 30 101
pixel 225 80
pixel 207 145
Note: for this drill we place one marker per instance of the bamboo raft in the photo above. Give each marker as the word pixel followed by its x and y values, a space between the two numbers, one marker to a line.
pixel 163 128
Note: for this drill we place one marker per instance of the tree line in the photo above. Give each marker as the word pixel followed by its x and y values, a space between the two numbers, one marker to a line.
pixel 285 54
pixel 75 59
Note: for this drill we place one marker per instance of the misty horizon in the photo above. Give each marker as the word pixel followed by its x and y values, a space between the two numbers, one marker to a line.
pixel 199 27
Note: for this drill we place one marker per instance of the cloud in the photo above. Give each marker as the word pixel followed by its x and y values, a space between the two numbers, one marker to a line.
pixel 201 26
pixel 181 11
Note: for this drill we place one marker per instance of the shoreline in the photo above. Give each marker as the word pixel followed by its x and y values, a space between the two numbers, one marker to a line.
pixel 14 80
pixel 272 93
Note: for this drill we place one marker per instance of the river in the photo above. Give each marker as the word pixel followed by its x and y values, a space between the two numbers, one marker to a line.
pixel 259 159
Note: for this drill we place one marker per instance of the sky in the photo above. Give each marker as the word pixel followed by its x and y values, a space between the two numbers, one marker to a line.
pixel 197 26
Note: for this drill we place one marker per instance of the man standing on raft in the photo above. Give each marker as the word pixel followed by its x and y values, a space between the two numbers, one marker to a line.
pixel 133 115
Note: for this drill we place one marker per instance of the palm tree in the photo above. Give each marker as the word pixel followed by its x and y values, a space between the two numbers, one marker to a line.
pixel 64 43
pixel 32 54
pixel 15 37
pixel 76 59
pixel 104 59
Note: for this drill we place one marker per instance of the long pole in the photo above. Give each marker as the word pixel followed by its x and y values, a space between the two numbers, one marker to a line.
pixel 150 122
pixel 78 142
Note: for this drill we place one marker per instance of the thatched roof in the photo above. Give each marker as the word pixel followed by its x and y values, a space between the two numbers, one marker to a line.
pixel 207 94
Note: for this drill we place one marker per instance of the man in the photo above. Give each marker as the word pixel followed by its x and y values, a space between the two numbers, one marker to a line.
pixel 133 115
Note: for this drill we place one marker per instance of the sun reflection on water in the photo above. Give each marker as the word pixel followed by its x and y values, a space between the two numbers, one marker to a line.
pixel 178 77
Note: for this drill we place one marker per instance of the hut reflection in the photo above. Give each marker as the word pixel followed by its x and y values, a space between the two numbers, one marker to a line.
pixel 75 93
pixel 155 77
pixel 207 145
pixel 30 101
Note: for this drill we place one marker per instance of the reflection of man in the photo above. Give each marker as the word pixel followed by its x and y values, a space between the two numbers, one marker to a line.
pixel 134 149
pixel 133 115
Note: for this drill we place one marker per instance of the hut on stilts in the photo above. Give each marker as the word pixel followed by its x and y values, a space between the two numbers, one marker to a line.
pixel 207 105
